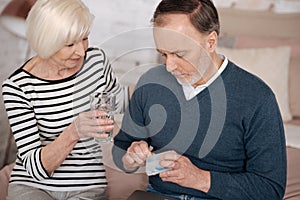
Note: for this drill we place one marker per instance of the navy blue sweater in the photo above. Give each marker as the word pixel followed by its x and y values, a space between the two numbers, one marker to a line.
pixel 233 129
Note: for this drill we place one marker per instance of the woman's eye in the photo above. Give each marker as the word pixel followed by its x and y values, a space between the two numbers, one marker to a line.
pixel 86 38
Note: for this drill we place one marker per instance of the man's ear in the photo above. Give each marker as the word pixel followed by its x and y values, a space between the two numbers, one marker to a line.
pixel 212 41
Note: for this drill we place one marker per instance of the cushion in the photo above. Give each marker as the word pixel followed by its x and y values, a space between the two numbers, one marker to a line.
pixel 293 174
pixel 271 65
pixel 294 73
pixel 294 83
pixel 4 180
pixel 121 185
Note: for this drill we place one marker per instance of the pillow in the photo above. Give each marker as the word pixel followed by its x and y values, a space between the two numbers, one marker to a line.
pixel 242 42
pixel 271 65
pixel 294 87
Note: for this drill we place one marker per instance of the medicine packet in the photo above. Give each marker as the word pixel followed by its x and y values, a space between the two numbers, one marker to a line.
pixel 152 164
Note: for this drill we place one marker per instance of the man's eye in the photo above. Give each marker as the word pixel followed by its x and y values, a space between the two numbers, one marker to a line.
pixel 179 55
pixel 70 45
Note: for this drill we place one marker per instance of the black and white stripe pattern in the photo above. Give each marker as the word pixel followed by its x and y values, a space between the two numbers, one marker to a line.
pixel 39 110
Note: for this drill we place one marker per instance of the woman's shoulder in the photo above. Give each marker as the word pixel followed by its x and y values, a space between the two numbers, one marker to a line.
pixel 14 80
pixel 93 50
pixel 17 74
pixel 95 54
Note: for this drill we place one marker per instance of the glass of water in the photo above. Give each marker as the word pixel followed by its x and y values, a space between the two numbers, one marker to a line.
pixel 104 101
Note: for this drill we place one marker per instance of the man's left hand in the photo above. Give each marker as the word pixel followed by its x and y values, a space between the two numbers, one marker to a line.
pixel 183 172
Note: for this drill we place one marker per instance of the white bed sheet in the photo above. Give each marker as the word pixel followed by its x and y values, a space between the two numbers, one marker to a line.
pixel 292 135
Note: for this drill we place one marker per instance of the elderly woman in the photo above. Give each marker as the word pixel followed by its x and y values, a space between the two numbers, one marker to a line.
pixel 47 101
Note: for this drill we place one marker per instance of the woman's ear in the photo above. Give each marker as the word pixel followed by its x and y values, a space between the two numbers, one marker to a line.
pixel 212 41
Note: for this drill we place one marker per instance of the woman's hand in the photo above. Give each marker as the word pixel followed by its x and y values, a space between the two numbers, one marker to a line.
pixel 91 123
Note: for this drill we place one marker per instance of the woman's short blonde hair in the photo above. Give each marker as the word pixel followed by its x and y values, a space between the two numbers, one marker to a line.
pixel 52 24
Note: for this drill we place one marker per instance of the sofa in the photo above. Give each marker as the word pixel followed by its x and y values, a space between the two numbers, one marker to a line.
pixel 266 44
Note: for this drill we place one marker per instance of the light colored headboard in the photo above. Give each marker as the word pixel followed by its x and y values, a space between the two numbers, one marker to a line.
pixel 259 23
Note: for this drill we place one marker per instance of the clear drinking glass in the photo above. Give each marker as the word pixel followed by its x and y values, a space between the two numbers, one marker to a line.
pixel 106 102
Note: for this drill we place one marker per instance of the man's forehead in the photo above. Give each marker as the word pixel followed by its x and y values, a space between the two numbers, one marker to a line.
pixel 172 40
pixel 179 23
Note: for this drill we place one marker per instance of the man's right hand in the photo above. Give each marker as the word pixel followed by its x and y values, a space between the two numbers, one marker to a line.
pixel 136 155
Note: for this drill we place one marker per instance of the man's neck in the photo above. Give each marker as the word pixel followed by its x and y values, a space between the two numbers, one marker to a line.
pixel 211 71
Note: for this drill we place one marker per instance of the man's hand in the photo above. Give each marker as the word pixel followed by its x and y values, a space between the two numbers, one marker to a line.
pixel 183 172
pixel 136 155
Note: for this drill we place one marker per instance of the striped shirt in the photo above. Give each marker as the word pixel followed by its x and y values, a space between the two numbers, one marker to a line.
pixel 39 110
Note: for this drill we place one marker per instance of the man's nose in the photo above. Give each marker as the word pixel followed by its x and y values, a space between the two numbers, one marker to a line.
pixel 170 63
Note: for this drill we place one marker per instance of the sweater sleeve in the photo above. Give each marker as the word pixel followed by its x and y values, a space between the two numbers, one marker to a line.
pixel 24 127
pixel 133 129
pixel 265 167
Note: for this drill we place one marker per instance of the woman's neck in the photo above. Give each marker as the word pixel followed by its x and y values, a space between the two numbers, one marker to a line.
pixel 48 70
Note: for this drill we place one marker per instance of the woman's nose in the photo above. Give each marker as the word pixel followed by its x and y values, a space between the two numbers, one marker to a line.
pixel 79 49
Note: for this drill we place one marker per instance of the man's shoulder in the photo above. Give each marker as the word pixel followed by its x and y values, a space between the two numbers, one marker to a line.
pixel 159 69
pixel 157 75
pixel 243 82
pixel 244 78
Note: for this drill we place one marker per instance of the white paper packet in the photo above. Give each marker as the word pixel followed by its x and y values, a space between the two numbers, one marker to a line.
pixel 152 164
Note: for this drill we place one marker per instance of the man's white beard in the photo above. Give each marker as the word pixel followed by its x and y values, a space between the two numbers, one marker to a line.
pixel 190 81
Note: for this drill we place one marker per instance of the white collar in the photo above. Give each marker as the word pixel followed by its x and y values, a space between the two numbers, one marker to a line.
pixel 190 92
